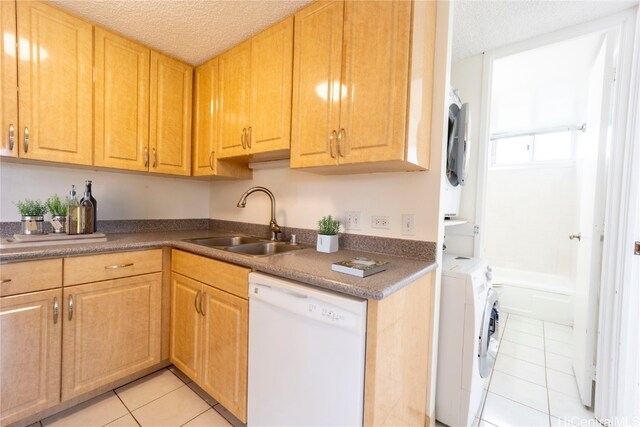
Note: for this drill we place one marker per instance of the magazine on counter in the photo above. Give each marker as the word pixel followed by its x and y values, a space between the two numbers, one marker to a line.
pixel 360 266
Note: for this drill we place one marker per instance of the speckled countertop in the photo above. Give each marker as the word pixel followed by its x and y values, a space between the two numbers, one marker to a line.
pixel 306 265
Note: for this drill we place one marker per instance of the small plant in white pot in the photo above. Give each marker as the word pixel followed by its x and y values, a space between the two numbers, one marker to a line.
pixel 328 228
pixel 32 212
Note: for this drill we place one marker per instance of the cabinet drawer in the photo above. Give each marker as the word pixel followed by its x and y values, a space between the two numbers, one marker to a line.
pixel 226 277
pixel 30 276
pixel 94 268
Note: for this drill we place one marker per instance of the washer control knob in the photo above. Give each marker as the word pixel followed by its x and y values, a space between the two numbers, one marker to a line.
pixel 489 268
pixel 489 275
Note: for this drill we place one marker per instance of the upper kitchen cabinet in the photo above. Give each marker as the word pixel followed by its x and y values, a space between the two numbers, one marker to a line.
pixel 8 80
pixel 55 77
pixel 121 102
pixel 170 118
pixel 362 80
pixel 255 94
pixel 205 127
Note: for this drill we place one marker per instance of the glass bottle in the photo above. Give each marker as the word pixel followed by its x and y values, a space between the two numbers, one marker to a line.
pixel 93 202
pixel 73 212
pixel 86 214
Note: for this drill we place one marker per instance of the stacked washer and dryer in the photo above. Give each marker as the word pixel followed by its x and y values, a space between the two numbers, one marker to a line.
pixel 469 307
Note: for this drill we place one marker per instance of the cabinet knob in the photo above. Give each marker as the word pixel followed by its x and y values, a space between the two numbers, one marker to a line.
pixel 26 140
pixel 332 136
pixel 249 136
pixel 195 303
pixel 211 160
pixel 11 139
pixel 342 137
pixel 146 157
pixel 56 310
pixel 2 282
pixel 70 307
pixel 242 138
pixel 155 158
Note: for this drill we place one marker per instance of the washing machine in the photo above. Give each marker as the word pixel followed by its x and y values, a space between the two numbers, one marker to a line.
pixel 468 340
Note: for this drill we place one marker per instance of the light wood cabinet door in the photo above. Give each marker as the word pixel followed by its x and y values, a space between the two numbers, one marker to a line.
pixel 8 81
pixel 205 126
pixel 271 74
pixel 184 341
pixel 30 336
pixel 55 76
pixel 224 349
pixel 170 118
pixel 373 112
pixel 234 81
pixel 121 115
pixel 317 90
pixel 112 329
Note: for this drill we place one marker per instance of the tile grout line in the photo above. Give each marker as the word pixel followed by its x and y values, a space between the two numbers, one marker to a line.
pixel 123 404
pixel 188 421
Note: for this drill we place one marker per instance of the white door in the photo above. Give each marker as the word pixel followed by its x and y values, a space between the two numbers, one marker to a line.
pixel 591 168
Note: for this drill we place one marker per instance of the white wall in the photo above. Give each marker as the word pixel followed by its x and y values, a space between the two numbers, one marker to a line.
pixel 303 198
pixel 120 195
pixel 466 76
pixel 531 212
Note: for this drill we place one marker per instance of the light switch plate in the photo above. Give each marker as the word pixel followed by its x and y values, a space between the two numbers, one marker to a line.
pixel 352 220
pixel 408 224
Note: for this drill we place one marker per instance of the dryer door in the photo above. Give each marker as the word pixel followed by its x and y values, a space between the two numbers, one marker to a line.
pixel 489 332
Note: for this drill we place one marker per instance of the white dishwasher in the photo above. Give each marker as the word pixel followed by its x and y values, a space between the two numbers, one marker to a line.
pixel 306 355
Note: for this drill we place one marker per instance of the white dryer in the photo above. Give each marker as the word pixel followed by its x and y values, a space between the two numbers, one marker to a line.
pixel 468 340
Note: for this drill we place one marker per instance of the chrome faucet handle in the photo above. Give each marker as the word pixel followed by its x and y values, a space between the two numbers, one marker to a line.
pixel 294 241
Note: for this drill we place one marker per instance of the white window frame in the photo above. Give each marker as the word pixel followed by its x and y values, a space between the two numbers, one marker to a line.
pixel 530 163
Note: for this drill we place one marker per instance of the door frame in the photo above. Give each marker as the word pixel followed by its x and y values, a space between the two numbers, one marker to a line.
pixel 624 22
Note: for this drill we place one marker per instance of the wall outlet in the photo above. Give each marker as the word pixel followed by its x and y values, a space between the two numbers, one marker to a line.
pixel 408 224
pixel 352 220
pixel 380 221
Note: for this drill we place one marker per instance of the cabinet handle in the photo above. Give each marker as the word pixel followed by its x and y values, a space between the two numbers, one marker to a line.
pixel 331 138
pixel 211 160
pixel 2 282
pixel 12 136
pixel 116 266
pixel 70 307
pixel 249 136
pixel 26 140
pixel 195 302
pixel 341 140
pixel 242 139
pixel 155 158
pixel 56 310
pixel 146 157
pixel 201 305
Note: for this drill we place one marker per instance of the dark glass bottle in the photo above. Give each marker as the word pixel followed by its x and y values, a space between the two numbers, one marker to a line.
pixel 87 191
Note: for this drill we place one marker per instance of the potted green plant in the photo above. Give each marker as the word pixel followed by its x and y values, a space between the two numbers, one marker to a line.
pixel 58 211
pixel 328 228
pixel 32 212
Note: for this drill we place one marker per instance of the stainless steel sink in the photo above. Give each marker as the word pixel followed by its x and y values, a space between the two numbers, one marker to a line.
pixel 223 241
pixel 263 248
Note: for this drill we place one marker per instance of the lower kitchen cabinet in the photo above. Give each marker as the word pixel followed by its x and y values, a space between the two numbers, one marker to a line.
pixel 209 327
pixel 30 331
pixel 112 329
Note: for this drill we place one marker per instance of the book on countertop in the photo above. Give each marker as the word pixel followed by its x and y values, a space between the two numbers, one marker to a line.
pixel 360 266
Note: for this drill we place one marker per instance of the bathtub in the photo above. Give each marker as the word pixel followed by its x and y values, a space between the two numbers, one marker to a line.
pixel 537 295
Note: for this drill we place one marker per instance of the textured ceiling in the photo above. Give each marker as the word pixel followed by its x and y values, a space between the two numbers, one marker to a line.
pixel 482 25
pixel 190 30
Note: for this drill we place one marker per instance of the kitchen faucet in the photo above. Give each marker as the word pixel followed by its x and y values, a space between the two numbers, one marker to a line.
pixel 273 225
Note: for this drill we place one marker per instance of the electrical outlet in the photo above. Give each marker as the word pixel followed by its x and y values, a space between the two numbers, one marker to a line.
pixel 408 224
pixel 380 221
pixel 352 220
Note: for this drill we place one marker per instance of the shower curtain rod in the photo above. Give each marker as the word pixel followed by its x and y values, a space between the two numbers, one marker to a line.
pixel 502 135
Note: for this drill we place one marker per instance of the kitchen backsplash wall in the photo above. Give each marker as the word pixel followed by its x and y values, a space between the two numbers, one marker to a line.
pixel 120 195
pixel 303 198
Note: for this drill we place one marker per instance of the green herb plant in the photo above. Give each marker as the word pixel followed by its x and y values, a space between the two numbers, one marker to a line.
pixel 56 207
pixel 30 207
pixel 328 226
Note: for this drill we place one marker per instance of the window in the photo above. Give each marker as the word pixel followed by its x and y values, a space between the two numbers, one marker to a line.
pixel 532 149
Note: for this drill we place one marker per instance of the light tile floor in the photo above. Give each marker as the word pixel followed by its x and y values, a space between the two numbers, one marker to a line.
pixel 532 383
pixel 166 398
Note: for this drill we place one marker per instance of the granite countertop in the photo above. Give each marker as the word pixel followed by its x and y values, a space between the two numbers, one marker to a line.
pixel 305 265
